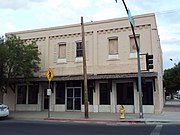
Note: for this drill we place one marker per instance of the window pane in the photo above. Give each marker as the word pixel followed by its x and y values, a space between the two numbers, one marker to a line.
pixel 21 94
pixel 79 50
pixel 90 92
pixel 113 46
pixel 91 87
pixel 33 94
pixel 133 45
pixel 147 90
pixel 125 94
pixel 77 92
pixel 60 93
pixel 104 94
pixel 62 51
pixel 74 84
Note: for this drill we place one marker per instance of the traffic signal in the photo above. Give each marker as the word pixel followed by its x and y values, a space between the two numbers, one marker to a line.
pixel 149 61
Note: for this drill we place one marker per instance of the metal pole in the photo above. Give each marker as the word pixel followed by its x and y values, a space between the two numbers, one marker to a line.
pixel 84 72
pixel 139 68
pixel 49 87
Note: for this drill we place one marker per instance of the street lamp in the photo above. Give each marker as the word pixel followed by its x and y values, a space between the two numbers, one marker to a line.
pixel 138 59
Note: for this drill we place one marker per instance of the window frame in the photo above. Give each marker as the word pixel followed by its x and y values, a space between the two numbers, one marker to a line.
pixel 133 42
pixel 115 38
pixel 79 51
pixel 27 94
pixel 60 44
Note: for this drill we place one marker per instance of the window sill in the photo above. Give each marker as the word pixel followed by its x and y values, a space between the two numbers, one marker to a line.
pixel 113 57
pixel 79 59
pixel 133 56
pixel 61 60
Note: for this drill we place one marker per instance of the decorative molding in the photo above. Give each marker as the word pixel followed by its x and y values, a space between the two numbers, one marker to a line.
pixel 122 29
pixel 54 37
pixel 39 39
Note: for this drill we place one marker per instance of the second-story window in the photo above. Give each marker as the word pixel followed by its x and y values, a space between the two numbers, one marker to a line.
pixel 62 51
pixel 79 49
pixel 133 45
pixel 113 45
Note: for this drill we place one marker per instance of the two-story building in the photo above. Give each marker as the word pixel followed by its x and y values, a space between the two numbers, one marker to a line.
pixel 111 68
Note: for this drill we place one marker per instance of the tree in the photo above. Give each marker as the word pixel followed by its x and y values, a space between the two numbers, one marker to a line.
pixel 171 79
pixel 2 62
pixel 21 60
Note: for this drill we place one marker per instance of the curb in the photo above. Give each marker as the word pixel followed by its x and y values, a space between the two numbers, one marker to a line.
pixel 96 121
pixel 113 121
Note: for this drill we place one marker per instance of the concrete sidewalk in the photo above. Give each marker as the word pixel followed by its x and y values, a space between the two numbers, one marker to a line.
pixel 170 114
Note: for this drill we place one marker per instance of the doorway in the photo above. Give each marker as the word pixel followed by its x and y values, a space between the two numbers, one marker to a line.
pixel 74 98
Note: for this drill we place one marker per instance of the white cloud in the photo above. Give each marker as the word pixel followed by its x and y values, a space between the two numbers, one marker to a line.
pixel 12 4
pixel 79 3
pixel 17 4
pixel 178 25
pixel 105 14
pixel 104 3
pixel 9 26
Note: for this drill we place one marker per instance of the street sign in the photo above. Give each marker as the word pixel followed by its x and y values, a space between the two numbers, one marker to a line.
pixel 49 92
pixel 130 18
pixel 49 74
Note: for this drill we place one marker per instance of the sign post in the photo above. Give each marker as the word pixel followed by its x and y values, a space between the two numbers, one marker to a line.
pixel 49 75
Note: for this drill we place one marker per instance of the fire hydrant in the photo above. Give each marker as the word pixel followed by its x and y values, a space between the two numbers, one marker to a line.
pixel 121 112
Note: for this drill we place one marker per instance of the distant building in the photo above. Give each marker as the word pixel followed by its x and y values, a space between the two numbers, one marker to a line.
pixel 111 66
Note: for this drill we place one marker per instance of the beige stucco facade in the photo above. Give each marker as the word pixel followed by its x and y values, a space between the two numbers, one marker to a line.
pixel 102 67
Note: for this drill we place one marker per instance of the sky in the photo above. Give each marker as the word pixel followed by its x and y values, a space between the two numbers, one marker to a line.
pixel 20 15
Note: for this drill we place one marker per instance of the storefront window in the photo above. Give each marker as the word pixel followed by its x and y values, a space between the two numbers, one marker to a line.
pixel 104 94
pixel 74 84
pixel 147 90
pixel 125 93
pixel 27 94
pixel 21 94
pixel 60 93
pixel 33 94
pixel 90 92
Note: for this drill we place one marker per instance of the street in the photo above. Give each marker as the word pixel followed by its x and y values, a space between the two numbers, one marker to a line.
pixel 15 127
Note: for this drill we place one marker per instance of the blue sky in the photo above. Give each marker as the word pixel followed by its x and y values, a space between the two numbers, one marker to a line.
pixel 18 15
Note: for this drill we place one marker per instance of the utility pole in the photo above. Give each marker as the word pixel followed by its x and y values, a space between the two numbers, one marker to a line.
pixel 84 72
pixel 138 59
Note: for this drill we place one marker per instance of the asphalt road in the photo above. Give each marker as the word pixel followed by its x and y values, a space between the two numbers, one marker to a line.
pixel 14 127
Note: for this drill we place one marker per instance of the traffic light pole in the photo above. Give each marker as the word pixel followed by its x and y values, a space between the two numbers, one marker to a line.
pixel 139 67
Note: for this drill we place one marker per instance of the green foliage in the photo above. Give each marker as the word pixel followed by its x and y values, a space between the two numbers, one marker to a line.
pixel 20 59
pixel 2 61
pixel 172 79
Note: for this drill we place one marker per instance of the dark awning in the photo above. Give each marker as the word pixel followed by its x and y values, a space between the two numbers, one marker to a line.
pixel 99 76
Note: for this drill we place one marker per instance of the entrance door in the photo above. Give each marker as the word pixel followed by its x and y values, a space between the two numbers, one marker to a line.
pixel 73 99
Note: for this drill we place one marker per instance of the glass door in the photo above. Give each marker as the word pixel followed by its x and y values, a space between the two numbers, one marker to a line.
pixel 77 98
pixel 73 99
pixel 70 98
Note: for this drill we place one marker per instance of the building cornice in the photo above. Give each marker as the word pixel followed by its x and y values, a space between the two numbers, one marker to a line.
pixel 85 24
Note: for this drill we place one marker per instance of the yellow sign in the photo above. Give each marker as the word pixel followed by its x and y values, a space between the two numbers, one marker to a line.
pixel 49 74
